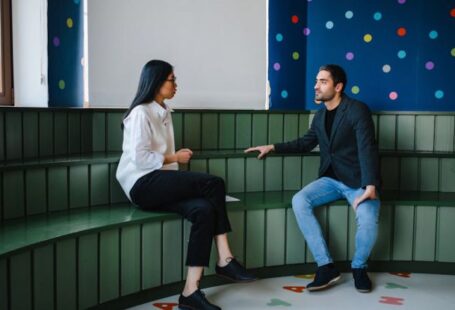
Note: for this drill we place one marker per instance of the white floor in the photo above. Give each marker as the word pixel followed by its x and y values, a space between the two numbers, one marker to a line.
pixel 391 291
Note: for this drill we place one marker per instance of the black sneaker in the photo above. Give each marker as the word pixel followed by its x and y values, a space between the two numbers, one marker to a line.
pixel 326 276
pixel 361 280
pixel 235 272
pixel 196 301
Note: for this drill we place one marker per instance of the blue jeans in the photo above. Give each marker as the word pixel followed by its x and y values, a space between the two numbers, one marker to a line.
pixel 326 190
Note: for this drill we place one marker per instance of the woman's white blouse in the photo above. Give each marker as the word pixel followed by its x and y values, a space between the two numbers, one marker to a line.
pixel 148 135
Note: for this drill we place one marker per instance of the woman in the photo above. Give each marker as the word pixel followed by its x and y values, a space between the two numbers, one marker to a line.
pixel 148 173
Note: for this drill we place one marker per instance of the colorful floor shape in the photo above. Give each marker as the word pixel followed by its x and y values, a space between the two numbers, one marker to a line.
pixel 391 291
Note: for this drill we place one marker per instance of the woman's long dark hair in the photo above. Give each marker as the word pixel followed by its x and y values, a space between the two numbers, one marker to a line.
pixel 153 75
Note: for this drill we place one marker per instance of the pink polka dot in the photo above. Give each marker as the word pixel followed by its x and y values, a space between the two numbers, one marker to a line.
pixel 393 95
pixel 276 66
pixel 56 41
pixel 401 1
pixel 429 65
pixel 349 56
pixel 306 31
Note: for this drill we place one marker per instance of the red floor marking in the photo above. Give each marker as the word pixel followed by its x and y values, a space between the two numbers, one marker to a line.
pixel 402 274
pixel 295 289
pixel 165 305
pixel 391 300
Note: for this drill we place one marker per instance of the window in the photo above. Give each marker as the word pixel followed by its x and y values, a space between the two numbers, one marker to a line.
pixel 6 72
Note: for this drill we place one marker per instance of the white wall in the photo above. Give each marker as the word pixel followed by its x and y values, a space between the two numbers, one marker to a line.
pixel 217 47
pixel 30 52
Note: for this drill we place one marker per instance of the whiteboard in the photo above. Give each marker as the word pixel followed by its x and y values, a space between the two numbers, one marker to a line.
pixel 218 49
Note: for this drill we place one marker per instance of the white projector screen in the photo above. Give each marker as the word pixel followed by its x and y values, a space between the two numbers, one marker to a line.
pixel 217 47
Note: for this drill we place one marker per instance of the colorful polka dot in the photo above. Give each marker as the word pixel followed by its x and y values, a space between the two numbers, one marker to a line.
pixel 439 94
pixel 433 34
pixel 386 68
pixel 401 54
pixel 355 89
pixel 276 66
pixel 295 55
pixel 452 52
pixel 77 1
pixel 452 12
pixel 401 31
pixel 329 24
pixel 377 16
pixel 284 94
pixel 367 38
pixel 61 84
pixel 429 65
pixel 393 95
pixel 349 14
pixel 349 55
pixel 401 1
pixel 294 19
pixel 56 41
pixel 69 22
pixel 279 37
pixel 306 31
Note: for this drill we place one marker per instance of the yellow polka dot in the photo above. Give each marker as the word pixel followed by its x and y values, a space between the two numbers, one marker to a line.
pixel 367 38
pixel 69 22
pixel 355 89
pixel 452 52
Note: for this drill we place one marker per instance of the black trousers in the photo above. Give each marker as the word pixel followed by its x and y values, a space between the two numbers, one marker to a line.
pixel 198 197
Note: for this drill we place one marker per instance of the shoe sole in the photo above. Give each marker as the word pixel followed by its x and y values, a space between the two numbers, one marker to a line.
pixel 320 288
pixel 363 291
pixel 184 307
pixel 236 281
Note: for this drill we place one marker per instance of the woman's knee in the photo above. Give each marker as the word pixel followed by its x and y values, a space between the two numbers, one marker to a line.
pixel 203 210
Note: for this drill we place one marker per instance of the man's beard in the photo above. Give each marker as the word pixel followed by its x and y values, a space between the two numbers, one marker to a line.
pixel 319 99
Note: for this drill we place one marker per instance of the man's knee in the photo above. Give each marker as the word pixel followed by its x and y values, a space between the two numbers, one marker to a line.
pixel 367 213
pixel 300 202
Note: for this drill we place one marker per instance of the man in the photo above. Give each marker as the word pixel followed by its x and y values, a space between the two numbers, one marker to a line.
pixel 349 169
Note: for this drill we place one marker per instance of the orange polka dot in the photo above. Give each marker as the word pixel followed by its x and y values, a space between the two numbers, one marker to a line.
pixel 401 31
pixel 295 19
pixel 452 12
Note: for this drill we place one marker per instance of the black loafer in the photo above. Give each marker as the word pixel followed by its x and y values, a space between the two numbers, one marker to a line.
pixel 326 276
pixel 196 301
pixel 235 272
pixel 361 280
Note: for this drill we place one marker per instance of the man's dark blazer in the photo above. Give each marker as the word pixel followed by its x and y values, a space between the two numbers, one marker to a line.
pixel 351 148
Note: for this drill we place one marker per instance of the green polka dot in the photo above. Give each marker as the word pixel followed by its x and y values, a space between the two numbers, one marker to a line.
pixel 61 84
pixel 452 52
pixel 69 22
pixel 355 89
pixel 295 56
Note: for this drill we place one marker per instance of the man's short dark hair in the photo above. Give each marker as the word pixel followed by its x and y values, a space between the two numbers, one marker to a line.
pixel 338 74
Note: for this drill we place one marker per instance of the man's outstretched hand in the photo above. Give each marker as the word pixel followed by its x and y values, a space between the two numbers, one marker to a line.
pixel 262 149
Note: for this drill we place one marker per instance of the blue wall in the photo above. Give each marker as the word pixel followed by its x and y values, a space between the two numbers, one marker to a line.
pixel 399 54
pixel 65 52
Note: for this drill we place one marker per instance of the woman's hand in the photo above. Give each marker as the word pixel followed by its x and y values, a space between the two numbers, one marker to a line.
pixel 182 156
